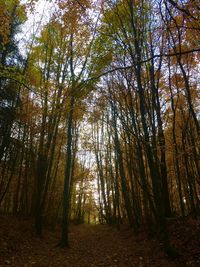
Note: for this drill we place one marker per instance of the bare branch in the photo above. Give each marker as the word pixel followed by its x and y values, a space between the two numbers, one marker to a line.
pixel 144 61
pixel 174 4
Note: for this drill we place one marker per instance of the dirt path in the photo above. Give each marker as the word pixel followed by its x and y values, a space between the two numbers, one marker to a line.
pixel 90 246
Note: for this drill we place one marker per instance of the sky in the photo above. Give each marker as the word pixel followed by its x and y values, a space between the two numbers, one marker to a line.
pixel 36 18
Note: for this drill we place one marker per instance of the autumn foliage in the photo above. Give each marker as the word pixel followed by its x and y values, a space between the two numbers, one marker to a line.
pixel 99 114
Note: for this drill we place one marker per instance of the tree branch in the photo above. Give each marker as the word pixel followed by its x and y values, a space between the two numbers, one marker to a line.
pixel 174 4
pixel 144 61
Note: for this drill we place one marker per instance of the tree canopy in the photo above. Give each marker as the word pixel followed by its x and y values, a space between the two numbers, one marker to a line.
pixel 100 115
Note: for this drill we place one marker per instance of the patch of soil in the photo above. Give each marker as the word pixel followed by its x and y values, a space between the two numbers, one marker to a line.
pixel 95 245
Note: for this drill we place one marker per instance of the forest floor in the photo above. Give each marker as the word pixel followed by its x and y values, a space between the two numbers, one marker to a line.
pixel 95 245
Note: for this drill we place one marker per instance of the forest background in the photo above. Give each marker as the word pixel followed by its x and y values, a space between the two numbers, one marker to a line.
pixel 99 113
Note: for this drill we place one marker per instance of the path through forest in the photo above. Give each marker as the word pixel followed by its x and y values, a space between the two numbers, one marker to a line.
pixel 96 245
